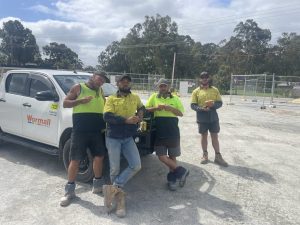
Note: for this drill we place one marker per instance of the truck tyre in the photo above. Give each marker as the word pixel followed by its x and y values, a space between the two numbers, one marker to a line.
pixel 1 141
pixel 85 172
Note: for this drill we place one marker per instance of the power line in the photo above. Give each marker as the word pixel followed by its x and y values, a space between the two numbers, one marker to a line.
pixel 159 45
pixel 172 43
pixel 261 12
pixel 152 44
pixel 243 54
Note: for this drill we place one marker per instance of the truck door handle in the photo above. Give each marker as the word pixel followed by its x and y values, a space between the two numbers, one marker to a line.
pixel 26 105
pixel 2 100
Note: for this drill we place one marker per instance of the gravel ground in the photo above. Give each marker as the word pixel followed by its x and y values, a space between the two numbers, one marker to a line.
pixel 261 185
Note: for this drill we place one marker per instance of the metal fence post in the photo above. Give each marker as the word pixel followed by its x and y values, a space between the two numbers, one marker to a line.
pixel 230 99
pixel 272 90
pixel 263 104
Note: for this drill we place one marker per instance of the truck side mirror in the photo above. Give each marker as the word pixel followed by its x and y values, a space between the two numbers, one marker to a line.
pixel 46 96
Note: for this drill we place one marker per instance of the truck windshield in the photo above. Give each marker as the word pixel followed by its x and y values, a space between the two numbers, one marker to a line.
pixel 67 81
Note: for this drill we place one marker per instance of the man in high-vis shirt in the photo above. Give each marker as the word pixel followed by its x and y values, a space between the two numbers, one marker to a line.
pixel 206 99
pixel 87 101
pixel 122 113
pixel 167 108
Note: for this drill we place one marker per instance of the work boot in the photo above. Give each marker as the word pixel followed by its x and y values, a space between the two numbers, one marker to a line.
pixel 69 194
pixel 110 192
pixel 97 185
pixel 121 209
pixel 220 161
pixel 204 159
pixel 172 184
pixel 181 174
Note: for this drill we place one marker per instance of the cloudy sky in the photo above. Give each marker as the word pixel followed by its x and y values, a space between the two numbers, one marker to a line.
pixel 88 26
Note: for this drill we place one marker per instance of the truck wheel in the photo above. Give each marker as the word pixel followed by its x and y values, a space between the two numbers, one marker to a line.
pixel 85 172
pixel 1 133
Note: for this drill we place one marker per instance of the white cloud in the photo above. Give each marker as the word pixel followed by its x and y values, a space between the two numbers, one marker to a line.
pixel 43 9
pixel 86 41
pixel 88 26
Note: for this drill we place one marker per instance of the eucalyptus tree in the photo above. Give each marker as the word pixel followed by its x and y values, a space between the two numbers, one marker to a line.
pixel 59 56
pixel 18 44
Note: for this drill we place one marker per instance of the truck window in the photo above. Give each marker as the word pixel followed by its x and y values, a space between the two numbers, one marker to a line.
pixel 67 81
pixel 15 83
pixel 37 86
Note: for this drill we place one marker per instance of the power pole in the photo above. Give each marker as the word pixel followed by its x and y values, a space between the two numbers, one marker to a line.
pixel 173 71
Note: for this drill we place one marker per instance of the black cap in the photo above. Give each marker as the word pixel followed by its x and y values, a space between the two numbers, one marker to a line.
pixel 204 75
pixel 124 76
pixel 102 74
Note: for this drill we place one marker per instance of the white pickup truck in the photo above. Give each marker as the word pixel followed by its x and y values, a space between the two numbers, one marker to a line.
pixel 32 114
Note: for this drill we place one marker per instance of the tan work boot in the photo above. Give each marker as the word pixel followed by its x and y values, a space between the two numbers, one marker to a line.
pixel 219 160
pixel 110 192
pixel 121 208
pixel 204 159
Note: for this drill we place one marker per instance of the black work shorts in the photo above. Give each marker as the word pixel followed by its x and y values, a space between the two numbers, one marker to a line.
pixel 80 142
pixel 213 127
pixel 169 147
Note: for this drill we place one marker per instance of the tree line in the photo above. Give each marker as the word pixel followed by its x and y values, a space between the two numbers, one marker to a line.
pixel 149 47
pixel 19 48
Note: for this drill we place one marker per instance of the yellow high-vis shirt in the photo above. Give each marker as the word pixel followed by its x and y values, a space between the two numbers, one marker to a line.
pixel 200 95
pixel 173 101
pixel 124 106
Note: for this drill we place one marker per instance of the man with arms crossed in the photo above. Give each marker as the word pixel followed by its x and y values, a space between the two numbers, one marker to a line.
pixel 122 112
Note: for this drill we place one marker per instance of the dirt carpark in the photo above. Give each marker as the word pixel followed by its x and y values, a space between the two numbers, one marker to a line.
pixel 261 185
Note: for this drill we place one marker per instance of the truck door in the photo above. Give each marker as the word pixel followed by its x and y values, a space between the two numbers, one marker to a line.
pixel 11 100
pixel 40 118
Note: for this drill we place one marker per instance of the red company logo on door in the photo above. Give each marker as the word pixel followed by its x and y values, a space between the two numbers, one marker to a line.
pixel 38 121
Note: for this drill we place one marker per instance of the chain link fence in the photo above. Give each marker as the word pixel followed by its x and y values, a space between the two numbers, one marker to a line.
pixel 264 89
pixel 146 83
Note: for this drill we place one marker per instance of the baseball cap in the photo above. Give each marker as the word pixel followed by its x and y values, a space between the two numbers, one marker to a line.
pixel 162 81
pixel 122 77
pixel 204 75
pixel 102 74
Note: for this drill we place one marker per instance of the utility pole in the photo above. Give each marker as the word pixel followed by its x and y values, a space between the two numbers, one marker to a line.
pixel 173 71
